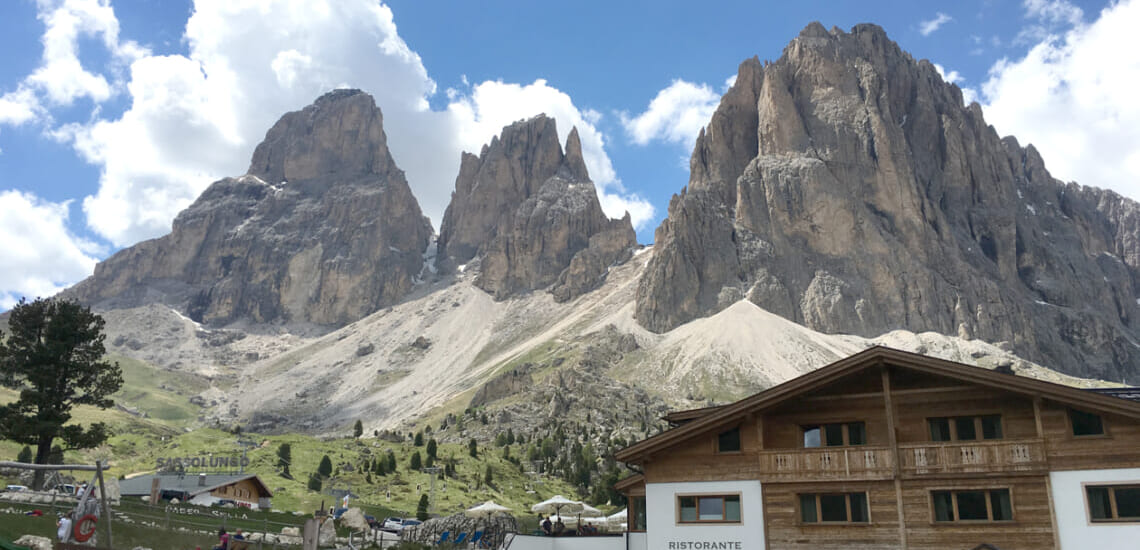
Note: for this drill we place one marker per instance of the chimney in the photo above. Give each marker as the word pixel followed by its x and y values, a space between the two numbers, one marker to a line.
pixel 201 480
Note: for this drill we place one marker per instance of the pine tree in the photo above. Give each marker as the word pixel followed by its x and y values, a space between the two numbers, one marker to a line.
pixel 391 461
pixel 284 458
pixel 432 448
pixel 422 508
pixel 315 482
pixel 416 462
pixel 510 436
pixel 54 359
pixel 325 468
pixel 473 449
pixel 419 442
pixel 488 475
pixel 25 455
pixel 368 478
pixel 357 429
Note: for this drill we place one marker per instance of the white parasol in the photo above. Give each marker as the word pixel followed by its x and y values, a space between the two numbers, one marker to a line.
pixel 558 505
pixel 619 517
pixel 485 510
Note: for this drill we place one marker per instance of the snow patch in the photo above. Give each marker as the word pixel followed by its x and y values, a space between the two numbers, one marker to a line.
pixel 196 324
pixel 1031 210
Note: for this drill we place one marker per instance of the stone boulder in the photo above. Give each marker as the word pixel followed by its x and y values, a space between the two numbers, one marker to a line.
pixel 327 535
pixel 34 542
pixel 353 518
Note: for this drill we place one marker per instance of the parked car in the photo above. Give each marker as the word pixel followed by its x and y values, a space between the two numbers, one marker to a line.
pixel 16 488
pixel 395 525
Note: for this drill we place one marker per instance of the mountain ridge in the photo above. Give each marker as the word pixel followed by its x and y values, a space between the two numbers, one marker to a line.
pixel 840 196
pixel 875 199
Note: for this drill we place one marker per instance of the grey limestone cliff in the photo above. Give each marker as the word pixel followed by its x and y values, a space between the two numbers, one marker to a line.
pixel 528 212
pixel 846 187
pixel 322 229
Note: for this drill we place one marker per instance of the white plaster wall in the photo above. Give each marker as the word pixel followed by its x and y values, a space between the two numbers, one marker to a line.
pixel 527 542
pixel 661 515
pixel 1073 527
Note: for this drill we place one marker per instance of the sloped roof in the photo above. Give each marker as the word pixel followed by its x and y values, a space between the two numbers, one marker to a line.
pixel 189 483
pixel 680 417
pixel 873 357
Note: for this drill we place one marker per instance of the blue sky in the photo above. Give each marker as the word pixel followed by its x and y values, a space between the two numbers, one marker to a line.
pixel 115 114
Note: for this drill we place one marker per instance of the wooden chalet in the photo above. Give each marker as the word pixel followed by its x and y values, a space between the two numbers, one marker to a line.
pixel 243 490
pixel 887 449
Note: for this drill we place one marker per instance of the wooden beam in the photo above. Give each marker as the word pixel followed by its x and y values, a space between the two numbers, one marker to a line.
pixel 1052 510
pixel 893 437
pixel 760 429
pixel 26 466
pixel 103 497
pixel 914 391
pixel 1037 416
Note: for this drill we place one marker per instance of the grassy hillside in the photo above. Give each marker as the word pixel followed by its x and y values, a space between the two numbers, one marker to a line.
pixel 398 491
pixel 157 420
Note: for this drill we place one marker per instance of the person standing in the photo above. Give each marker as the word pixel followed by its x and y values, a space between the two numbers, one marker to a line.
pixel 63 527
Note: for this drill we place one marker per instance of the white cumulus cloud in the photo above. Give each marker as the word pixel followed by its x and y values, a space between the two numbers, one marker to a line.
pixel 1074 98
pixel 19 107
pixel 60 75
pixel 195 118
pixel 676 114
pixel 930 26
pixel 40 256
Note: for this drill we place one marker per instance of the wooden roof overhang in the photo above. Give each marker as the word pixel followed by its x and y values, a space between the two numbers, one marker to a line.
pixel 726 415
pixel 635 481
pixel 680 417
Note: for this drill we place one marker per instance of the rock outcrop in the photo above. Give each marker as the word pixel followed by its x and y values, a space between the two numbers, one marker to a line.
pixel 528 212
pixel 846 187
pixel 322 229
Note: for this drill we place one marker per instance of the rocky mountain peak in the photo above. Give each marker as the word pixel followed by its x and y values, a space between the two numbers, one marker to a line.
pixel 341 134
pixel 323 229
pixel 573 160
pixel 872 199
pixel 526 210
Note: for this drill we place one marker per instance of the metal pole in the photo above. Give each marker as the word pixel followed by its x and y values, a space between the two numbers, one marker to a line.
pixel 103 497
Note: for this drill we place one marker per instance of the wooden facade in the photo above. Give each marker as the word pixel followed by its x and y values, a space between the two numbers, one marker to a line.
pixel 885 413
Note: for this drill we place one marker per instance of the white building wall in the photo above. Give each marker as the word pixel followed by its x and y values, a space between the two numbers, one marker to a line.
pixel 1073 527
pixel 527 542
pixel 664 533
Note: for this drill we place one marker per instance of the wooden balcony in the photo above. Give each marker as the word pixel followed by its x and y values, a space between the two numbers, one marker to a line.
pixel 825 464
pixel 972 457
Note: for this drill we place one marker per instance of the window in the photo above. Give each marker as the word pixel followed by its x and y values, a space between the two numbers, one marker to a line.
pixel 972 505
pixel 1085 423
pixel 728 441
pixel 708 508
pixel 637 507
pixel 1108 503
pixel 965 428
pixel 835 435
pixel 834 508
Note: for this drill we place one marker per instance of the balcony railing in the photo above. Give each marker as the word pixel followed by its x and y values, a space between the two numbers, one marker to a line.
pixel 827 463
pixel 998 456
pixel 915 459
